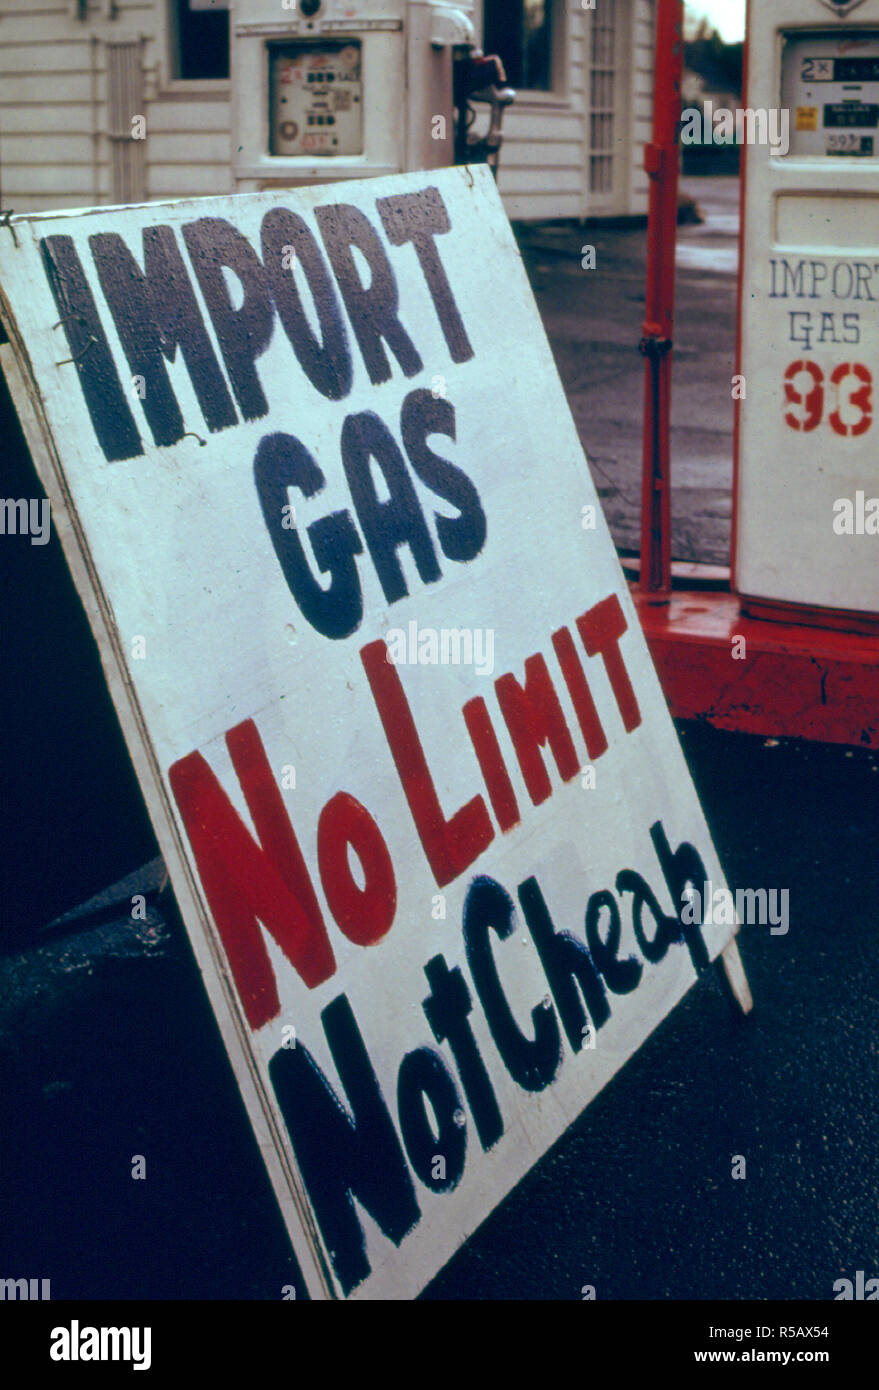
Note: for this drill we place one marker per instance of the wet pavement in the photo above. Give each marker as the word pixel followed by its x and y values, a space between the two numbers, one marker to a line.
pixel 593 319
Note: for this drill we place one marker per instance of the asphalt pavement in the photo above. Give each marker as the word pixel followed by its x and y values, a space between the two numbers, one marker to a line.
pixel 593 319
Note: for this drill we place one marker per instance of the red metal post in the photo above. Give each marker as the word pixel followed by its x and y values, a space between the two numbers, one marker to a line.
pixel 661 163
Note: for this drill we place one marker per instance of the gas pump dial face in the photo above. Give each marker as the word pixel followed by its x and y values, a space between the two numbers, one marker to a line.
pixel 830 85
pixel 316 98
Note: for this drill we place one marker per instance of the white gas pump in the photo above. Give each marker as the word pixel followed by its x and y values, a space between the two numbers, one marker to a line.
pixel 333 89
pixel 806 540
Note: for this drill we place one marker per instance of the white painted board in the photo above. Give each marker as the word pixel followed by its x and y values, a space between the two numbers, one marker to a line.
pixel 468 703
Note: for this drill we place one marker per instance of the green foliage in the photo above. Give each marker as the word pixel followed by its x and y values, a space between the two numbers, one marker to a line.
pixel 719 64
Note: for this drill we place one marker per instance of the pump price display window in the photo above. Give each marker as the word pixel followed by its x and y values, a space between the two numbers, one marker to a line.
pixel 316 96
pixel 830 85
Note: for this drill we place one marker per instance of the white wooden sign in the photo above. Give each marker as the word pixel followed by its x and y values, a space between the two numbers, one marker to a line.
pixel 399 733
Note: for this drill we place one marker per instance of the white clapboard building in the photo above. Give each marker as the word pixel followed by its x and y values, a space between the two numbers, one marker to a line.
pixel 75 73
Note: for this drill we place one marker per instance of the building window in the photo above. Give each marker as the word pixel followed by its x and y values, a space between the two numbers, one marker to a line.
pixel 200 35
pixel 520 31
pixel 602 82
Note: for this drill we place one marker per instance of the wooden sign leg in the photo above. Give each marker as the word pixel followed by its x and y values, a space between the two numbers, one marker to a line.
pixel 735 981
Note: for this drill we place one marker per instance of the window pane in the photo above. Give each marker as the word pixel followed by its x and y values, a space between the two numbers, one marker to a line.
pixel 601 99
pixel 202 41
pixel 521 32
pixel 536 49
